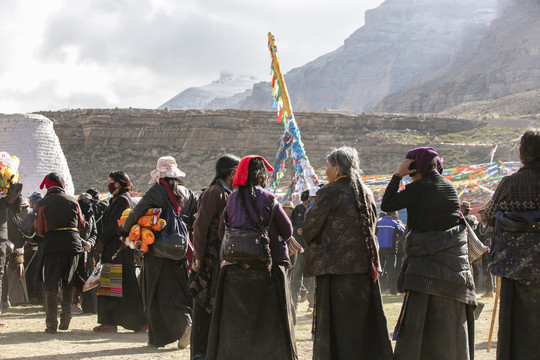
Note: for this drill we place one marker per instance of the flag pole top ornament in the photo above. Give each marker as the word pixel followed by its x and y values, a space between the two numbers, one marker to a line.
pixel 272 44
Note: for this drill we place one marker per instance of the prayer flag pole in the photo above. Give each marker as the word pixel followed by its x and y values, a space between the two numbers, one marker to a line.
pixel 291 142
pixel 279 74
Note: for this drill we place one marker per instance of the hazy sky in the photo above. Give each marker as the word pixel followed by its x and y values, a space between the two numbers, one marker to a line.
pixel 57 54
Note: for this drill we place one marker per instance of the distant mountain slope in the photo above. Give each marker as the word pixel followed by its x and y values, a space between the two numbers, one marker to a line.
pixel 506 62
pixel 525 103
pixel 228 86
pixel 402 44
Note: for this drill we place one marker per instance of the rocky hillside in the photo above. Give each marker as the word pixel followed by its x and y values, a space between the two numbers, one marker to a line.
pixel 402 44
pixel 97 141
pixel 506 62
pixel 525 105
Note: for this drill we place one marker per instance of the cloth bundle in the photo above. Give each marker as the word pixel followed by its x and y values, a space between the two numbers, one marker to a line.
pixel 142 234
pixel 9 171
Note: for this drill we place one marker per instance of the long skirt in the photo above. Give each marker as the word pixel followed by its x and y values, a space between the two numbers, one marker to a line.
pixel 252 316
pixel 126 311
pixel 349 321
pixel 17 292
pixel 519 334
pixel 203 288
pixel 435 327
pixel 166 299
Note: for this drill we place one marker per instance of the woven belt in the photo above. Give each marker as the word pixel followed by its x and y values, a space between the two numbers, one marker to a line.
pixel 63 229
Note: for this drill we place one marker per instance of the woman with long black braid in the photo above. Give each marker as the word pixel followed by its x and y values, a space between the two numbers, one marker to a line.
pixel 252 316
pixel 339 230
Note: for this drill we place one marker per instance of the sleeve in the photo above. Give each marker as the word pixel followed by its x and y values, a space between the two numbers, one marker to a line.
pixel 393 199
pixel 208 210
pixel 498 196
pixel 110 227
pixel 283 223
pixel 317 214
pixel 189 209
pixel 221 227
pixel 93 231
pixel 80 219
pixel 293 217
pixel 40 223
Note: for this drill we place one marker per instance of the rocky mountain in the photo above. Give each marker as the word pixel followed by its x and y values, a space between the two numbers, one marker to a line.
pixel 228 89
pixel 98 141
pixel 403 43
pixel 506 62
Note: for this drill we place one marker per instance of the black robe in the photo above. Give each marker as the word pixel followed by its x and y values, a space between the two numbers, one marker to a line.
pixel 126 311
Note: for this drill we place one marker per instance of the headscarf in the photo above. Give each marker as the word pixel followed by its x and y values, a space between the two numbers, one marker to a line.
pixel 241 175
pixel 423 156
pixel 166 167
pixel 53 179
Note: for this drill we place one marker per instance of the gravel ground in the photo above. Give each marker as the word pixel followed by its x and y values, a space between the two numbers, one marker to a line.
pixel 25 338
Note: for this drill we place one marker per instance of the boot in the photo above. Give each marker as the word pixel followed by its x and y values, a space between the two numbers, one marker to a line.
pixel 67 301
pixel 51 309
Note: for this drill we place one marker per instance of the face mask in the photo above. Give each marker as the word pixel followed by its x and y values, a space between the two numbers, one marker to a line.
pixel 111 187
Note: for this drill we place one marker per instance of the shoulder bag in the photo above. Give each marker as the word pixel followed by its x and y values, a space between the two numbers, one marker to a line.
pixel 245 246
pixel 476 247
pixel 172 241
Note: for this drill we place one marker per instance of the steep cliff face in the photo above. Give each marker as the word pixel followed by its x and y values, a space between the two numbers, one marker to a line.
pixel 403 43
pixel 506 62
pixel 98 141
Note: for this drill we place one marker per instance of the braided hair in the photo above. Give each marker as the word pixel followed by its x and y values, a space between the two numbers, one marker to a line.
pixel 346 158
pixel 256 169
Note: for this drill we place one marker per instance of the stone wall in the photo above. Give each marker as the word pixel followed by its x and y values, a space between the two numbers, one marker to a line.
pixel 97 141
pixel 32 139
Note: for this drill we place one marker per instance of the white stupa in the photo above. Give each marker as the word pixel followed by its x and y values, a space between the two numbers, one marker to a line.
pixel 32 139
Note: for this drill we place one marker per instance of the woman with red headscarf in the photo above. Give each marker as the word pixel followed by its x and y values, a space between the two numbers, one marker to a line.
pixel 436 320
pixel 58 222
pixel 252 316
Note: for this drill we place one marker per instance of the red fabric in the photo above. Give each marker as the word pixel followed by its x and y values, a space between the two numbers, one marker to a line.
pixel 240 178
pixel 47 183
pixel 170 195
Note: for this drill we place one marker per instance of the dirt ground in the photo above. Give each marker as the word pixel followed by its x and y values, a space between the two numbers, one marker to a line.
pixel 25 337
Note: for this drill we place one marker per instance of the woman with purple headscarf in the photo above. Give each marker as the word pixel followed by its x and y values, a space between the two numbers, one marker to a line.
pixel 436 320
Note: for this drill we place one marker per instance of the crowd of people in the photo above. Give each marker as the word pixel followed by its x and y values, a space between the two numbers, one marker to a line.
pixel 235 292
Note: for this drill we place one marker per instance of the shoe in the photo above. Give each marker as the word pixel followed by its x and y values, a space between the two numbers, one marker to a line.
pixel 76 309
pixel 185 339
pixel 3 324
pixel 50 330
pixel 64 324
pixel 142 330
pixel 105 329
